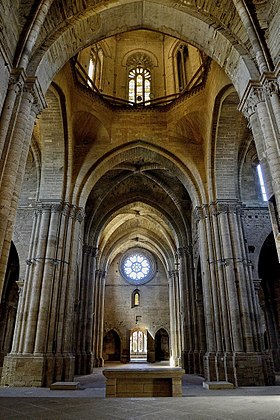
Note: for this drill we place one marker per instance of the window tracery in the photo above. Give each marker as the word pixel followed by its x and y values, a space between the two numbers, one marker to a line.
pixel 139 78
pixel 96 66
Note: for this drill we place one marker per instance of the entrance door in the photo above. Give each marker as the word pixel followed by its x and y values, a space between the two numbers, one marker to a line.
pixel 138 345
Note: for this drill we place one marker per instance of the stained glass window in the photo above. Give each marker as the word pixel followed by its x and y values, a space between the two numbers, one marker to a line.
pixel 137 266
pixel 139 85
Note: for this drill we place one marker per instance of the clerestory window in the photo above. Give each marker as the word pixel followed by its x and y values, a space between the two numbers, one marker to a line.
pixel 95 66
pixel 261 181
pixel 139 78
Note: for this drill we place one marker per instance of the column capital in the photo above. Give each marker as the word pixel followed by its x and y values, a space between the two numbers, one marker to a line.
pixel 90 250
pixel 225 206
pixel 270 83
pixel 17 80
pixel 33 88
pixel 254 94
pixel 183 251
pixel 198 213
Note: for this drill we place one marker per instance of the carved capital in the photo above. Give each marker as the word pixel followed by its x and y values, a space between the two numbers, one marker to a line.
pixel 198 214
pixel 16 81
pixel 36 96
pixel 90 250
pixel 254 95
pixel 78 214
pixel 271 87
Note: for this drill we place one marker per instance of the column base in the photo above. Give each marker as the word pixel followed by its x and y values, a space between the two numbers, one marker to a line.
pixel 30 370
pixel 241 369
pixel 83 364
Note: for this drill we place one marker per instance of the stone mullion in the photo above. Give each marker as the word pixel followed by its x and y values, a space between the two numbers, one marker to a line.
pixel 233 300
pixel 226 344
pixel 209 221
pixel 47 284
pixel 241 279
pixel 206 285
pixel 35 279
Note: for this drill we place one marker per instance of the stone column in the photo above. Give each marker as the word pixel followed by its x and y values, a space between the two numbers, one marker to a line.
pixel 86 307
pixel 201 217
pixel 42 350
pixel 260 105
pixel 26 101
pixel 235 354
pixel 173 321
pixel 99 296
pixel 189 322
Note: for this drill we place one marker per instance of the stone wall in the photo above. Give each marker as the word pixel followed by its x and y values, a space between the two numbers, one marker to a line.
pixel 152 313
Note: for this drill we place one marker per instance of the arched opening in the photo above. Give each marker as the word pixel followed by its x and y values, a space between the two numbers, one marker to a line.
pixel 138 345
pixel 269 273
pixel 111 346
pixel 9 303
pixel 162 351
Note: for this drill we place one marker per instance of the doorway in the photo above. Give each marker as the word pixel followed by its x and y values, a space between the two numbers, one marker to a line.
pixel 111 346
pixel 162 345
pixel 138 346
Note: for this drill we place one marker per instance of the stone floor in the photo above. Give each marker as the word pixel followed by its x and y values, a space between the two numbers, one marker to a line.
pixel 88 402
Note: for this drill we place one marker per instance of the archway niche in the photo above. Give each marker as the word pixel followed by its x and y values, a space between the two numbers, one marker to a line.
pixel 162 349
pixel 111 346
pixel 9 303
pixel 269 273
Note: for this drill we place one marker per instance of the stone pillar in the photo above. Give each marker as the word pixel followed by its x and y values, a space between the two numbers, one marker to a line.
pixel 201 216
pixel 43 348
pixel 99 296
pixel 86 307
pixel 23 102
pixel 260 105
pixel 235 355
pixel 175 329
pixel 189 321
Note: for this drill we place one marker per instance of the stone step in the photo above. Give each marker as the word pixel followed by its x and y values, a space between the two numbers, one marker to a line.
pixel 65 385
pixel 218 385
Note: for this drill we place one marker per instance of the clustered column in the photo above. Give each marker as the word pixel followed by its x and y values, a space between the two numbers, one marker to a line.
pixel 43 347
pixel 99 297
pixel 261 106
pixel 86 308
pixel 234 344
pixel 24 101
